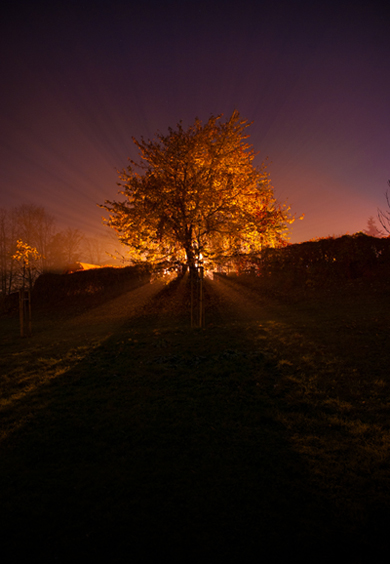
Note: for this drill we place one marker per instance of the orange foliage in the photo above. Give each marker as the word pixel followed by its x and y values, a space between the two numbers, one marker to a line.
pixel 196 192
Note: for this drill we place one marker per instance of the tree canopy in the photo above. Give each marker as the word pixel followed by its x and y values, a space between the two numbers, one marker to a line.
pixel 196 192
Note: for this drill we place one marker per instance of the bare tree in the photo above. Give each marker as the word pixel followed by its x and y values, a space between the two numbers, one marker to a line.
pixel 95 250
pixel 372 229
pixel 8 237
pixel 384 216
pixel 35 227
pixel 64 249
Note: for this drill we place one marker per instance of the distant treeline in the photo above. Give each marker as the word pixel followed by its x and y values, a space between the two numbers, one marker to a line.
pixel 33 226
pixel 324 260
pixel 55 250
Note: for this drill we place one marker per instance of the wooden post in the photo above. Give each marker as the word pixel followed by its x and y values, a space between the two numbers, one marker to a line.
pixel 25 312
pixel 192 296
pixel 29 313
pixel 197 296
pixel 201 296
pixel 21 312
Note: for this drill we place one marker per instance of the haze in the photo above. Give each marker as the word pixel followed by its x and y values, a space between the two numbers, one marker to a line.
pixel 79 81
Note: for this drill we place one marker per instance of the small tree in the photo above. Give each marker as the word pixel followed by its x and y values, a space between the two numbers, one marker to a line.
pixel 196 193
pixel 35 226
pixel 28 258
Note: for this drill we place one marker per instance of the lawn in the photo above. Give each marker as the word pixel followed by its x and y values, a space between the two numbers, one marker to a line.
pixel 126 434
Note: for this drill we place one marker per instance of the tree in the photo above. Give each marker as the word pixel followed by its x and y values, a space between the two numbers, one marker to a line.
pixel 384 216
pixel 372 229
pixel 28 258
pixel 6 261
pixel 64 249
pixel 34 226
pixel 95 250
pixel 196 193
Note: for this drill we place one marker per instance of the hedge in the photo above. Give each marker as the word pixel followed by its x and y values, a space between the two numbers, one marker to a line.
pixel 324 260
pixel 86 283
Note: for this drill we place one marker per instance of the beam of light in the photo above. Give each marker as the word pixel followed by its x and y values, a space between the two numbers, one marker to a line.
pixel 315 86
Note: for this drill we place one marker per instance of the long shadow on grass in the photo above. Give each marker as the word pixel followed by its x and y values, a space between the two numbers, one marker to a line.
pixel 160 443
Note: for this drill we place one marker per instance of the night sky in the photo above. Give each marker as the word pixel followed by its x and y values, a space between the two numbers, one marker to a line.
pixel 79 80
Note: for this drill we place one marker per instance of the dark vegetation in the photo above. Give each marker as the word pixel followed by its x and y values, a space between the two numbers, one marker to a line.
pixel 89 287
pixel 125 434
pixel 81 289
pixel 323 266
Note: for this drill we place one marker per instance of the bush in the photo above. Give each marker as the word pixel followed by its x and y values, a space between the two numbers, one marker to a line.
pixel 83 285
pixel 323 264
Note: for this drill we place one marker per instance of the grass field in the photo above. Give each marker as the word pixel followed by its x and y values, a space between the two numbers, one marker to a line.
pixel 125 434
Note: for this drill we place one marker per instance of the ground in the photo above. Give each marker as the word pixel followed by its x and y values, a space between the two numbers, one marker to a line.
pixel 128 434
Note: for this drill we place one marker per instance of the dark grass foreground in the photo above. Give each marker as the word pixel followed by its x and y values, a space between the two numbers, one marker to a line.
pixel 161 441
pixel 142 449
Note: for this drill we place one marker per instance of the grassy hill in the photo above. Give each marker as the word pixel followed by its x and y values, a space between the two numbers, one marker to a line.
pixel 125 434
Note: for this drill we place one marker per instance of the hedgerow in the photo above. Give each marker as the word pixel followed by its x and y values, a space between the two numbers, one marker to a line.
pixel 88 283
pixel 321 263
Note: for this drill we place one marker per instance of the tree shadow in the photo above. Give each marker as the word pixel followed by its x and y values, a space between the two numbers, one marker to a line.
pixel 161 443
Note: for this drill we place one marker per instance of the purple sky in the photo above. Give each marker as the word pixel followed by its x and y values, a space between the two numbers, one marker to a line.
pixel 79 81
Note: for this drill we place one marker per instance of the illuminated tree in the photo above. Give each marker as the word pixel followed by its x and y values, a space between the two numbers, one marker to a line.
pixel 196 192
pixel 35 226
pixel 28 258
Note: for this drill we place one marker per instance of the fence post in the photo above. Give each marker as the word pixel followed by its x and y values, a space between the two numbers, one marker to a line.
pixel 25 312
pixel 21 312
pixel 201 305
pixel 192 296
